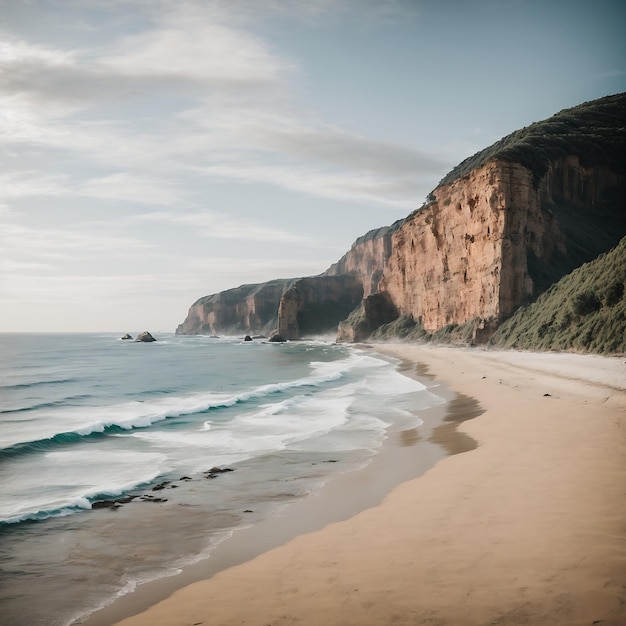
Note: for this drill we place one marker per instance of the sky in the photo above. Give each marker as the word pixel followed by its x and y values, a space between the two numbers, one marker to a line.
pixel 153 152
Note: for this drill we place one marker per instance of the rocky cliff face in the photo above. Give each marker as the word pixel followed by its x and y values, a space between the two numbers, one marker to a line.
pixel 481 249
pixel 297 307
pixel 315 305
pixel 367 258
pixel 499 229
pixel 249 309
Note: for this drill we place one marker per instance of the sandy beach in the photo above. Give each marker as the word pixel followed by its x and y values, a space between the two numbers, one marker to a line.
pixel 525 528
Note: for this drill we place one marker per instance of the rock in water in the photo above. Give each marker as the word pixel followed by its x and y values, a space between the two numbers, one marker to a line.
pixel 145 337
pixel 275 337
pixel 247 338
pixel 127 336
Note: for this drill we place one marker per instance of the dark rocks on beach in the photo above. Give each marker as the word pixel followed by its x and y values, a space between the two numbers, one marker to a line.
pixel 127 336
pixel 185 478
pixel 105 504
pixel 112 504
pixel 149 498
pixel 145 337
pixel 215 471
pixel 161 485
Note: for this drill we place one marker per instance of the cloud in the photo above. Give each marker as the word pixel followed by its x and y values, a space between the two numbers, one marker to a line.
pixel 35 243
pixel 221 104
pixel 131 188
pixel 218 225
pixel 120 186
pixel 185 53
pixel 347 186
pixel 18 184
pixel 235 270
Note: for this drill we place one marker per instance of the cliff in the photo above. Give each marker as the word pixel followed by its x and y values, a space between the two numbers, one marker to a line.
pixel 503 226
pixel 296 307
pixel 248 309
pixel 492 240
pixel 496 232
pixel 315 305
pixel 367 258
pixel 584 311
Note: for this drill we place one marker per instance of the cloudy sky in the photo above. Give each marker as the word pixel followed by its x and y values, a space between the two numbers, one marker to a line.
pixel 152 151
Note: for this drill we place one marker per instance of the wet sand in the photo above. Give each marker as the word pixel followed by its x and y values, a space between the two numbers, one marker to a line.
pixel 407 452
pixel 526 527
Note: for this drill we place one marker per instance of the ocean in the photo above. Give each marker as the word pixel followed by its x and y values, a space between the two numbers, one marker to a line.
pixel 124 462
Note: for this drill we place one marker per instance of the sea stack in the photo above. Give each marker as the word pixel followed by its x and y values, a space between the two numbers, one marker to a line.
pixel 145 337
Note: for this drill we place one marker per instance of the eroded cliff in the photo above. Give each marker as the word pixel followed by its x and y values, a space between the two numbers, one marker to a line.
pixel 248 309
pixel 367 258
pixel 315 305
pixel 493 239
pixel 296 307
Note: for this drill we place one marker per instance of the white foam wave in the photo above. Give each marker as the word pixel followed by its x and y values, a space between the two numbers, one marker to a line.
pixel 137 414
pixel 72 478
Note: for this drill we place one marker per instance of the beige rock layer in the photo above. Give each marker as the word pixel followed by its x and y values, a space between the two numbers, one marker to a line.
pixel 465 256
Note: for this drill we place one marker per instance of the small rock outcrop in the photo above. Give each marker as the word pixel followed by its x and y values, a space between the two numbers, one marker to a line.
pixel 275 337
pixel 126 337
pixel 145 337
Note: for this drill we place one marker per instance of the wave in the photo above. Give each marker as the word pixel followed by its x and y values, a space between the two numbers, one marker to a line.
pixel 46 405
pixel 135 415
pixel 79 504
pixel 37 383
pixel 146 472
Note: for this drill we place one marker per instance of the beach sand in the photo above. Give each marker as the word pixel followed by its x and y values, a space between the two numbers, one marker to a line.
pixel 525 528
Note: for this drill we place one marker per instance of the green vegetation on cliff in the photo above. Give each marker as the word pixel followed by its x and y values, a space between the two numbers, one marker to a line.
pixel 594 130
pixel 584 311
pixel 406 328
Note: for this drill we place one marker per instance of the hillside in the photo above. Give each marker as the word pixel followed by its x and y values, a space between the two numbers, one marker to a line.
pixel 584 311
pixel 595 130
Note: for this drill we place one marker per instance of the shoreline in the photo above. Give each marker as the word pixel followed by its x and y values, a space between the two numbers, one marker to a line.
pixel 404 455
pixel 525 528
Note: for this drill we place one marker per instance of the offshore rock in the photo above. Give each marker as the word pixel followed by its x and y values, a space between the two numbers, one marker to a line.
pixel 145 337
pixel 275 337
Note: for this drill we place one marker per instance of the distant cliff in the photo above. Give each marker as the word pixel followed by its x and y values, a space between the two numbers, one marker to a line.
pixel 367 258
pixel 496 232
pixel 296 307
pixel 248 309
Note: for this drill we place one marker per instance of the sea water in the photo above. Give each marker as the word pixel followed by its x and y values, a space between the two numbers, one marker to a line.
pixel 86 419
